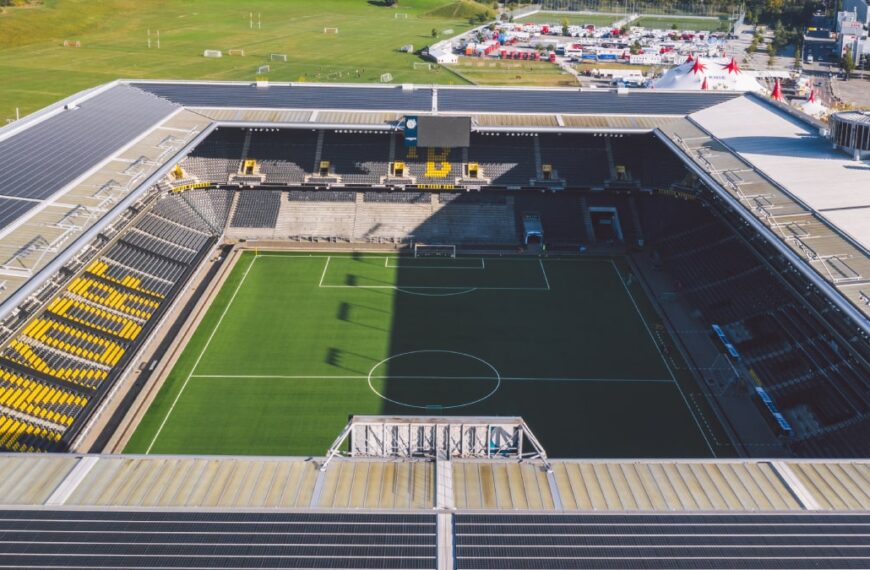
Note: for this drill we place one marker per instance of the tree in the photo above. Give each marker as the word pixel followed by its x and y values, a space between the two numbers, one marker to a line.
pixel 771 55
pixel 847 64
pixel 635 48
pixel 565 25
pixel 434 33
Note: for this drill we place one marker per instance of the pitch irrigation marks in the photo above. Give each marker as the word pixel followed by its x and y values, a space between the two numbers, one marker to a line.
pixel 664 360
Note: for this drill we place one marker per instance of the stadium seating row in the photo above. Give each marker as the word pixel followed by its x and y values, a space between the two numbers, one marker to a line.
pixel 67 356
pixel 292 157
pixel 820 386
pixel 375 217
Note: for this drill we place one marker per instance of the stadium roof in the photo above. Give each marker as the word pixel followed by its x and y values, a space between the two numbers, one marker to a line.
pixel 71 168
pixel 155 481
pixel 99 511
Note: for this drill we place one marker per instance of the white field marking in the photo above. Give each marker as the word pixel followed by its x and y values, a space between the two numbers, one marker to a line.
pixel 546 280
pixel 355 377
pixel 453 267
pixel 506 258
pixel 460 292
pixel 664 360
pixel 434 288
pixel 495 371
pixel 201 353
pixel 325 267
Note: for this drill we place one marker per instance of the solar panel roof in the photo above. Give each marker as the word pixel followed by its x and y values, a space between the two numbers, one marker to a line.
pixel 42 159
pixel 636 102
pixel 676 541
pixel 165 539
pixel 292 96
pixel 11 209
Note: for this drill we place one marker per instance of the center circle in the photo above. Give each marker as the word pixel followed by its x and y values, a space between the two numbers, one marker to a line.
pixel 434 379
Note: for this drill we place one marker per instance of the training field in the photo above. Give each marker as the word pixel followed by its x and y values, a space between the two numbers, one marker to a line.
pixel 295 343
pixel 556 18
pixel 36 70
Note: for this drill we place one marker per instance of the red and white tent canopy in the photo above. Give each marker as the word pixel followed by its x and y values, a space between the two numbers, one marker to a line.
pixel 708 73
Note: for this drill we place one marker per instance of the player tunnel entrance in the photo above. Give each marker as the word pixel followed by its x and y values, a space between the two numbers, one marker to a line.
pixel 533 229
pixel 605 223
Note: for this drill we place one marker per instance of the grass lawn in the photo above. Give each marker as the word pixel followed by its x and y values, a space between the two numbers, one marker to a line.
pixel 486 71
pixel 294 344
pixel 36 70
pixel 573 19
pixel 668 22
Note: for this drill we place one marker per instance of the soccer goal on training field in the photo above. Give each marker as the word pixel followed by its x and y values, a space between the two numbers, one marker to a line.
pixel 434 250
pixel 239 52
pixel 401 15
pixel 278 57
pixel 330 30
pixel 422 65
pixel 386 77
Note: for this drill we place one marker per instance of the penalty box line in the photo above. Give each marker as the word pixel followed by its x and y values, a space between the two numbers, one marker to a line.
pixel 412 377
pixel 442 267
pixel 467 288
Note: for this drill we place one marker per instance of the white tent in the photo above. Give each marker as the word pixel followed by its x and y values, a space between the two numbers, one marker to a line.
pixel 811 105
pixel 715 74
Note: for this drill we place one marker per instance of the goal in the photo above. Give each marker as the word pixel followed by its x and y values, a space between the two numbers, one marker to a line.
pixel 434 250
pixel 263 69
pixel 278 57
pixel 386 77
pixel 239 52
pixel 401 15
pixel 330 30
pixel 421 65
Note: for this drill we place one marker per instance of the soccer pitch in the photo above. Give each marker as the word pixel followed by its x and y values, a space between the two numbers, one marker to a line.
pixel 295 343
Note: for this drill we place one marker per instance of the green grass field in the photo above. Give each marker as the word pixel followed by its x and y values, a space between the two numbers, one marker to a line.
pixel 669 22
pixel 36 70
pixel 573 19
pixel 527 73
pixel 295 343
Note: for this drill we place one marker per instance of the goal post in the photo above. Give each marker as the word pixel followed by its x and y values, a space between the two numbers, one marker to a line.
pixel 278 57
pixel 434 250
pixel 330 30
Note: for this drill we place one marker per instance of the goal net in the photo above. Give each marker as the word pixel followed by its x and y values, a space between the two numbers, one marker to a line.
pixel 330 30
pixel 386 77
pixel 401 15
pixel 278 57
pixel 434 250
pixel 239 52
pixel 420 65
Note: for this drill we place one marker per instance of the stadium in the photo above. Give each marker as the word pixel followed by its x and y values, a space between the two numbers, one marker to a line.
pixel 413 326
